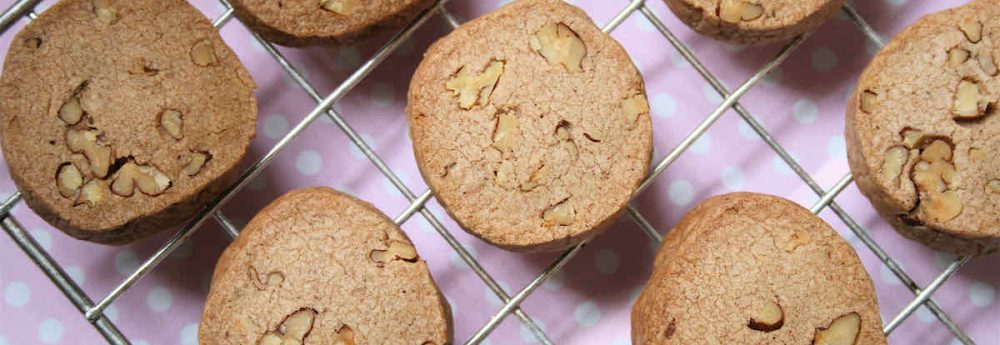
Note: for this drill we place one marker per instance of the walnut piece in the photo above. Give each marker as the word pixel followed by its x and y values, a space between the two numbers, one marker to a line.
pixel 795 240
pixel 987 64
pixel 150 180
pixel 735 11
pixel 203 53
pixel 535 179
pixel 933 176
pixel 473 89
pixel 560 45
pixel 560 214
pixel 634 107
pixel 194 165
pixel 912 137
pixel 86 142
pixel 172 123
pixel 868 100
pixel 398 250
pixel 505 174
pixel 993 187
pixel 293 330
pixel 91 194
pixel 969 101
pixel 105 13
pixel 768 318
pixel 893 163
pixel 972 29
pixel 843 330
pixel 142 66
pixel 977 154
pixel 957 56
pixel 71 112
pixel 341 7
pixel 345 336
pixel 506 131
pixel 68 180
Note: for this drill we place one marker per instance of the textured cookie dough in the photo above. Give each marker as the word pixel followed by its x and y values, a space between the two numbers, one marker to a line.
pixel 307 22
pixel 123 118
pixel 923 134
pixel 748 268
pixel 531 126
pixel 753 21
pixel 320 267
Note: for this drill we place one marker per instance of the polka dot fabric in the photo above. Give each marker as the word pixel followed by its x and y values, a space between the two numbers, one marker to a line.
pixel 589 300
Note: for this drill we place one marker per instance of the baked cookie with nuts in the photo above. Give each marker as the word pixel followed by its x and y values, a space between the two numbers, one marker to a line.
pixel 747 268
pixel 308 22
pixel 531 126
pixel 320 267
pixel 753 21
pixel 923 133
pixel 123 118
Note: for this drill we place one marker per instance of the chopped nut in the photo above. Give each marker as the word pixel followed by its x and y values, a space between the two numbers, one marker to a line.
pixel 536 178
pixel 98 154
pixel 275 278
pixel 105 13
pixel 993 186
pixel 969 101
pixel 843 330
pixel 562 132
pixel 505 174
pixel 734 11
pixel 293 330
pixel 397 250
pixel 560 214
pixel 560 45
pixel 91 194
pixel 69 179
pixel 987 64
pixel 172 123
pixel 203 54
pixel 506 131
pixel 634 107
pixel 142 66
pixel 474 89
pixel 197 161
pixel 345 336
pixel 972 29
pixel 932 176
pixel 977 154
pixel 570 147
pixel 147 178
pixel 938 150
pixel 33 42
pixel 892 165
pixel 912 137
pixel 957 56
pixel 596 135
pixel 795 241
pixel 770 317
pixel 868 100
pixel 341 7
pixel 71 112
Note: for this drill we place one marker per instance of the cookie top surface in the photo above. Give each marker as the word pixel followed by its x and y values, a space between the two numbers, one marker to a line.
pixel 747 268
pixel 922 126
pixel 530 125
pixel 302 22
pixel 140 92
pixel 319 260
pixel 753 21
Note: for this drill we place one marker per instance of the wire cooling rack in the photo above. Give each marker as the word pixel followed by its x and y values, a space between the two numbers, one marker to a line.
pixel 94 312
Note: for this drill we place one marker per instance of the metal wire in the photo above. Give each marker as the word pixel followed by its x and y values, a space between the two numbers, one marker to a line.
pixel 94 313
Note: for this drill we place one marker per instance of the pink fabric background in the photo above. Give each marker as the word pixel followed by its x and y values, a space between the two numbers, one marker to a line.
pixel 802 104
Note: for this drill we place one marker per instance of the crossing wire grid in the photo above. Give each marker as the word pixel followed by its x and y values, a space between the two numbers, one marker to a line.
pixel 94 313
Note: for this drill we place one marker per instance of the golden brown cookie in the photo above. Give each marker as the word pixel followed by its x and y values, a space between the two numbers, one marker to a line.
pixel 306 22
pixel 531 126
pixel 923 134
pixel 748 268
pixel 320 267
pixel 123 118
pixel 753 21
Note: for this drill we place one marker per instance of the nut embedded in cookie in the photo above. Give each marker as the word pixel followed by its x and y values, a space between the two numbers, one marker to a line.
pixel 473 89
pixel 768 318
pixel 293 330
pixel 843 330
pixel 735 11
pixel 560 45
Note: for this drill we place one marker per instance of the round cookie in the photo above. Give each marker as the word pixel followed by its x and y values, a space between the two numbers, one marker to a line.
pixel 320 267
pixel 753 21
pixel 531 126
pixel 307 22
pixel 120 119
pixel 748 268
pixel 923 134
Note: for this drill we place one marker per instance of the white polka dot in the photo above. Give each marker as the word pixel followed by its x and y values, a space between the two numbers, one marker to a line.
pixel 836 148
pixel 587 314
pixel 606 261
pixel 982 294
pixel 255 44
pixel 556 281
pixel 664 105
pixel 76 273
pixel 383 95
pixel 774 78
pixel 126 262
pixel 925 314
pixel 17 294
pixel 733 48
pixel 781 167
pixel 258 183
pixel 711 95
pixel 805 111
pixel 111 312
pixel 3 341
pixel 159 299
pixel 43 237
pixel 955 341
pixel 702 145
pixel 887 276
pixel 275 126
pixel 391 189
pixel 140 342
pixel 492 297
pixel 895 2
pixel 451 304
pixel 644 25
pixel 189 334
pixel 622 341
pixel 349 58
pixel 681 192
pixel 678 60
pixel 528 336
pixel 457 260
pixel 824 59
pixel 944 259
pixel 732 178
pixel 356 153
pixel 183 251
pixel 50 331
pixel 309 162
pixel 747 132
pixel 639 66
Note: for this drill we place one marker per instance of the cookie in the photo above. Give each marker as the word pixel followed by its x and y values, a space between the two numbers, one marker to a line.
pixel 748 268
pixel 923 133
pixel 120 119
pixel 320 267
pixel 531 126
pixel 753 21
pixel 308 22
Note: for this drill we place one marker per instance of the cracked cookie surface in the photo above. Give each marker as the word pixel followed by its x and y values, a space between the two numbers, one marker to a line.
pixel 531 126
pixel 320 267
pixel 923 133
pixel 753 21
pixel 123 118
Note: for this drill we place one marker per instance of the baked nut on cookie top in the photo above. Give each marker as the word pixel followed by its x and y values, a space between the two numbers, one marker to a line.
pixel 122 118
pixel 923 133
pixel 754 21
pixel 530 125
